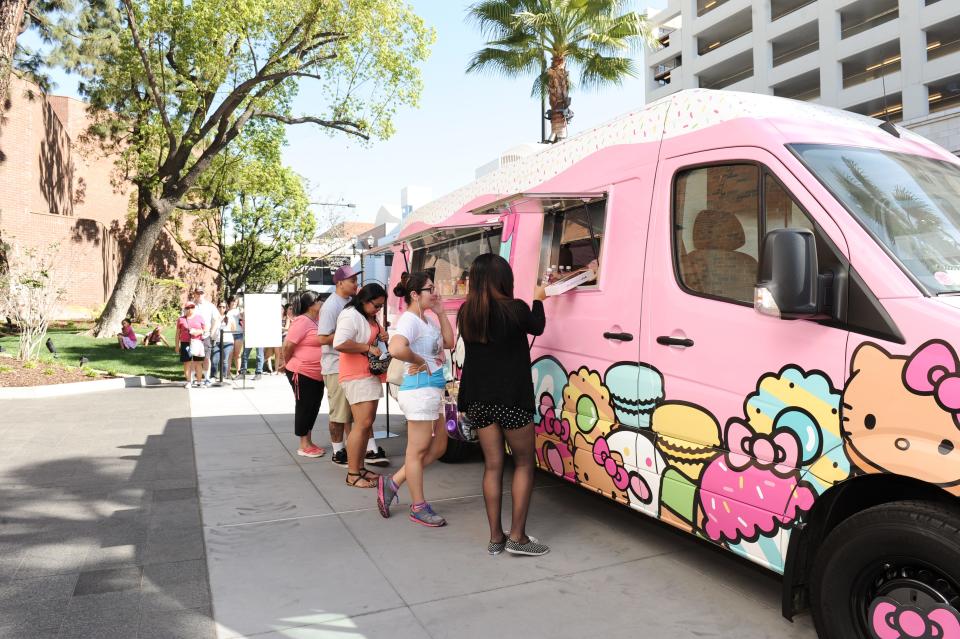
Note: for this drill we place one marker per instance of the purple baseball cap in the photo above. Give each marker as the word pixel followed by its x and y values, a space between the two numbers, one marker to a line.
pixel 345 272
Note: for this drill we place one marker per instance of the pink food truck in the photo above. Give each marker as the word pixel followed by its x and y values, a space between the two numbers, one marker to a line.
pixel 767 356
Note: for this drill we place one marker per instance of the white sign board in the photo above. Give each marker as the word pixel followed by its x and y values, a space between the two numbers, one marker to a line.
pixel 262 318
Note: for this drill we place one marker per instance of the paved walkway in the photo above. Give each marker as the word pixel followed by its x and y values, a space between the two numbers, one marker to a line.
pixel 293 552
pixel 102 535
pixel 100 532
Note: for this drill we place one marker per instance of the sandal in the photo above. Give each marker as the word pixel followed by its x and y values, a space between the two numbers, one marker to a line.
pixel 360 477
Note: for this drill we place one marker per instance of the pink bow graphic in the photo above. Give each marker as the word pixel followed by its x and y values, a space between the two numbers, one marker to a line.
pixel 780 449
pixel 932 370
pixel 601 455
pixel 621 478
pixel 560 428
pixel 890 620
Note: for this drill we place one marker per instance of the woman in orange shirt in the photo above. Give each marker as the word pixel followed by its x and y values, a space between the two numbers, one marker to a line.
pixel 358 337
pixel 301 356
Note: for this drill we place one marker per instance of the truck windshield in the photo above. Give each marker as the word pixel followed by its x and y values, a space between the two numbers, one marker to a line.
pixel 911 204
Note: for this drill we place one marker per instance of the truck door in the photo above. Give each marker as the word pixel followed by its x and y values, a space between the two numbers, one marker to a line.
pixel 750 401
pixel 593 396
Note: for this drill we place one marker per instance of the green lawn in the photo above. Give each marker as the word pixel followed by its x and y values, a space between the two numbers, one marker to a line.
pixel 105 354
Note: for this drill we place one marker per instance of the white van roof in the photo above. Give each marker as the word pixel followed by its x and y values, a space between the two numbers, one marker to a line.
pixel 689 110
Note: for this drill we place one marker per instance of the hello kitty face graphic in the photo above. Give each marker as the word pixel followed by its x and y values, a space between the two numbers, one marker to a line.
pixel 901 414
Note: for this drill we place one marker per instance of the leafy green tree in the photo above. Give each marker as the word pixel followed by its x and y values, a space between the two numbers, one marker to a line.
pixel 596 36
pixel 174 83
pixel 256 234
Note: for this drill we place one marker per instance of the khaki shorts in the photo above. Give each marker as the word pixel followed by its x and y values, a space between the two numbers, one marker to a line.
pixel 339 407
pixel 366 389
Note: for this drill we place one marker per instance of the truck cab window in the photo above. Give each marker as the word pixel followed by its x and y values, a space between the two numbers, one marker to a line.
pixel 573 233
pixel 716 232
pixel 721 213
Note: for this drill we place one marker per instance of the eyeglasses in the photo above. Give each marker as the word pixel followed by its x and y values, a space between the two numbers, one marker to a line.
pixel 428 288
pixel 376 306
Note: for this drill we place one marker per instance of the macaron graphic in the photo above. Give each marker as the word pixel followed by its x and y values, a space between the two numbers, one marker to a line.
pixel 635 390
pixel 548 377
pixel 687 437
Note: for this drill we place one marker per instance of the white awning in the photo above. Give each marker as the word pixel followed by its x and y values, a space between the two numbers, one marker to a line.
pixel 538 203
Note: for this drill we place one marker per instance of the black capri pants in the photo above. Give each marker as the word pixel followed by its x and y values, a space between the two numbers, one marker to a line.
pixel 308 393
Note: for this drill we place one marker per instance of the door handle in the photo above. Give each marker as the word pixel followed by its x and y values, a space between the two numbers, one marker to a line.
pixel 622 337
pixel 665 340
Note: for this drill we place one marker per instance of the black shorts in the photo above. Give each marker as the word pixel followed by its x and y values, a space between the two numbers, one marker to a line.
pixel 508 417
pixel 185 353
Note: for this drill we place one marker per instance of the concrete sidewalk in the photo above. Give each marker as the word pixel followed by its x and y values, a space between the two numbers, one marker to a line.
pixel 293 552
pixel 100 531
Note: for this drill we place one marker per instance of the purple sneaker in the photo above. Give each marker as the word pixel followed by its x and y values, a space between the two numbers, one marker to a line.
pixel 426 517
pixel 385 494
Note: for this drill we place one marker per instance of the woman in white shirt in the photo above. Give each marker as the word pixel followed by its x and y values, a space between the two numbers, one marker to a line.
pixel 419 340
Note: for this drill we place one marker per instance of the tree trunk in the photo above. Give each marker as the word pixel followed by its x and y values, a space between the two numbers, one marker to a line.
pixel 11 20
pixel 135 262
pixel 558 91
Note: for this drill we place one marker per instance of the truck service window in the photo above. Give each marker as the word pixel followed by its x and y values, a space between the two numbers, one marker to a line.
pixel 448 254
pixel 573 233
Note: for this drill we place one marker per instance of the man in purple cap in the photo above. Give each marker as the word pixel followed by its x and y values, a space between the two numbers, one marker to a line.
pixel 340 416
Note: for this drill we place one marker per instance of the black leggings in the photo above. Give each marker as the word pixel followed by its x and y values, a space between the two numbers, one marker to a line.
pixel 309 394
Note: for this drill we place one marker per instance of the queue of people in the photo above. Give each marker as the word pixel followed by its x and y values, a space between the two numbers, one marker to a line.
pixel 340 346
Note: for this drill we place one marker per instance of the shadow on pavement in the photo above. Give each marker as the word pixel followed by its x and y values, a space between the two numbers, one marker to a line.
pixel 100 528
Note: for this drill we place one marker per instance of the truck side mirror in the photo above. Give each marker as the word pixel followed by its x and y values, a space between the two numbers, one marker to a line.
pixel 788 284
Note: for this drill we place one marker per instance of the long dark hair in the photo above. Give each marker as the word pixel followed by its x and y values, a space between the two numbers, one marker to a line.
pixel 303 301
pixel 412 283
pixel 491 286
pixel 367 293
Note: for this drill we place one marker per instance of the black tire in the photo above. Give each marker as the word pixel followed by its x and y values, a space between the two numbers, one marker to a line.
pixel 457 451
pixel 907 551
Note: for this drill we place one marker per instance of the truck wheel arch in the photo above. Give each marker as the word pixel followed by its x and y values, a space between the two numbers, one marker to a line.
pixel 834 506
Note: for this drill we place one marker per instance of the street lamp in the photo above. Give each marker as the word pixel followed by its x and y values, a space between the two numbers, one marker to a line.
pixel 349 205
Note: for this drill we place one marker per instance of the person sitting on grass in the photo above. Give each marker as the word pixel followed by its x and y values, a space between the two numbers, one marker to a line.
pixel 126 338
pixel 155 337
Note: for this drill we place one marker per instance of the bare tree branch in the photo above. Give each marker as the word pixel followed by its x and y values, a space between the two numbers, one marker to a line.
pixel 341 125
pixel 151 78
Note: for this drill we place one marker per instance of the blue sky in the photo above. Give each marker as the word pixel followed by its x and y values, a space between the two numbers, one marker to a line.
pixel 463 121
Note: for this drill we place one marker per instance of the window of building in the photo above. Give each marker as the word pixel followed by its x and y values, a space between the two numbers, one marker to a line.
pixel 721 213
pixel 573 234
pixel 320 273
pixel 448 254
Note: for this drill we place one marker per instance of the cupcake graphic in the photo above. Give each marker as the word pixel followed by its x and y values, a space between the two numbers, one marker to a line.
pixel 635 390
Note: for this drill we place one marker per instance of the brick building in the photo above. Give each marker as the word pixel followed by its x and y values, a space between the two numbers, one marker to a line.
pixel 53 189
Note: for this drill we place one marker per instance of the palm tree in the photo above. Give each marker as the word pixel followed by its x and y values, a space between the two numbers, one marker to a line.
pixel 596 36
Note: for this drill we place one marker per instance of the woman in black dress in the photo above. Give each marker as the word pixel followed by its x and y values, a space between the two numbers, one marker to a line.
pixel 496 392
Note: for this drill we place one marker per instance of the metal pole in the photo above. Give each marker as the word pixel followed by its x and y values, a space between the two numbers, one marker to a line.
pixel 220 373
pixel 543 94
pixel 386 327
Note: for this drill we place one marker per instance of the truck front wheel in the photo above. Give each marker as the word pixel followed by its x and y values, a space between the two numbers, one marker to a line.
pixel 888 572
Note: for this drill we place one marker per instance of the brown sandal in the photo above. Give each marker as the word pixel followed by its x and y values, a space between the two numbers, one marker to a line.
pixel 360 477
